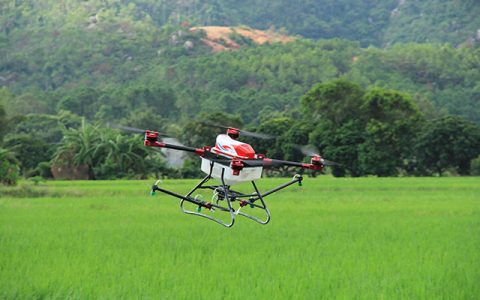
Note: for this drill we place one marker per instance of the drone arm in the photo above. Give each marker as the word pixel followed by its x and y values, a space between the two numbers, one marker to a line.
pixel 296 178
pixel 274 162
pixel 267 162
pixel 151 140
pixel 197 151
pixel 312 166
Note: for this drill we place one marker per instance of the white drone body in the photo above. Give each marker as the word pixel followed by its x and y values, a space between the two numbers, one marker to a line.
pixel 230 148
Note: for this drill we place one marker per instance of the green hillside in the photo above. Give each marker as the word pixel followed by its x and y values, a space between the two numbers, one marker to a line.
pixel 139 63
pixel 250 82
pixel 67 45
pixel 370 22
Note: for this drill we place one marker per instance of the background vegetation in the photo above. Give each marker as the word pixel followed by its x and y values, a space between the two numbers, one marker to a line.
pixel 386 88
pixel 370 22
pixel 137 63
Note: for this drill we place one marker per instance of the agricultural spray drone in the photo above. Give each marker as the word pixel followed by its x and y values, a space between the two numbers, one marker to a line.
pixel 230 162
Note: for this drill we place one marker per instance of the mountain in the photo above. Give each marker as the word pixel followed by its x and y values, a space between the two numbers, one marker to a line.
pixel 377 23
pixel 51 50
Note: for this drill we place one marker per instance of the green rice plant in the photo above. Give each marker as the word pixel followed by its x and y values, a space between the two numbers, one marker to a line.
pixel 332 238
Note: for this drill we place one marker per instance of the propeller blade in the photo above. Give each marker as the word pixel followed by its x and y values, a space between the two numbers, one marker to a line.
pixel 257 135
pixel 132 129
pixel 310 150
pixel 329 163
pixel 214 125
pixel 127 128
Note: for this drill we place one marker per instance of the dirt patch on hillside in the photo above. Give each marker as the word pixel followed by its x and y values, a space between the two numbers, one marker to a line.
pixel 221 38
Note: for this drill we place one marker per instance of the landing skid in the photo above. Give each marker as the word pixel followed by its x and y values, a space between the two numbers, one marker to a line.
pixel 223 194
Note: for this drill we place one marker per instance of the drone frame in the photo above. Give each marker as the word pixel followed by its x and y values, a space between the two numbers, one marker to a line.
pixel 223 192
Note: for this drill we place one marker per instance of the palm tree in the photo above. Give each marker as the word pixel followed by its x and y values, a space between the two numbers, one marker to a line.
pixel 105 153
pixel 123 154
pixel 78 147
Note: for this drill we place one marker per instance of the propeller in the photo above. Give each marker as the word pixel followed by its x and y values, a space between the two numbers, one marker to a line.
pixel 132 129
pixel 257 135
pixel 310 150
pixel 136 130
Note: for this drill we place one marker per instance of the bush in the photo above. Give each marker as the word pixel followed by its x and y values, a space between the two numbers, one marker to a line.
pixel 9 169
pixel 191 169
pixel 475 167
pixel 9 172
pixel 44 170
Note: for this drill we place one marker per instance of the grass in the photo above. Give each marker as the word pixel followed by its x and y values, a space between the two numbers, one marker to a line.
pixel 366 238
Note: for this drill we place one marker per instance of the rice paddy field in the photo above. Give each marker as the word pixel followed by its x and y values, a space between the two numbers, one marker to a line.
pixel 365 238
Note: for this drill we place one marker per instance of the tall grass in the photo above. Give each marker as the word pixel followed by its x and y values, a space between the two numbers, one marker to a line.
pixel 368 238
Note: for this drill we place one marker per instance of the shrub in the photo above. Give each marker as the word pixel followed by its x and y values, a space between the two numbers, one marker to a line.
pixel 9 169
pixel 44 170
pixel 475 167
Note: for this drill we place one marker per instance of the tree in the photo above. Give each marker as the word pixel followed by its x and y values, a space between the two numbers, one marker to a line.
pixel 296 136
pixel 342 145
pixel 83 102
pixel 388 106
pixel 276 128
pixel 9 170
pixel 78 148
pixel 146 120
pixel 336 101
pixel 449 142
pixel 368 132
pixel 121 156
pixel 475 167
pixel 30 151
pixel 3 123
pixel 157 99
pixel 7 103
pixel 391 120
pixel 105 153
pixel 45 127
pixel 377 154
pixel 335 107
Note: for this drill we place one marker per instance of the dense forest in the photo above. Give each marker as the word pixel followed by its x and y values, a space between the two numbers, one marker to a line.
pixel 379 23
pixel 406 72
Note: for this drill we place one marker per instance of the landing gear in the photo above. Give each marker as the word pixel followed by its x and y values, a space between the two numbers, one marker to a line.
pixel 224 198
